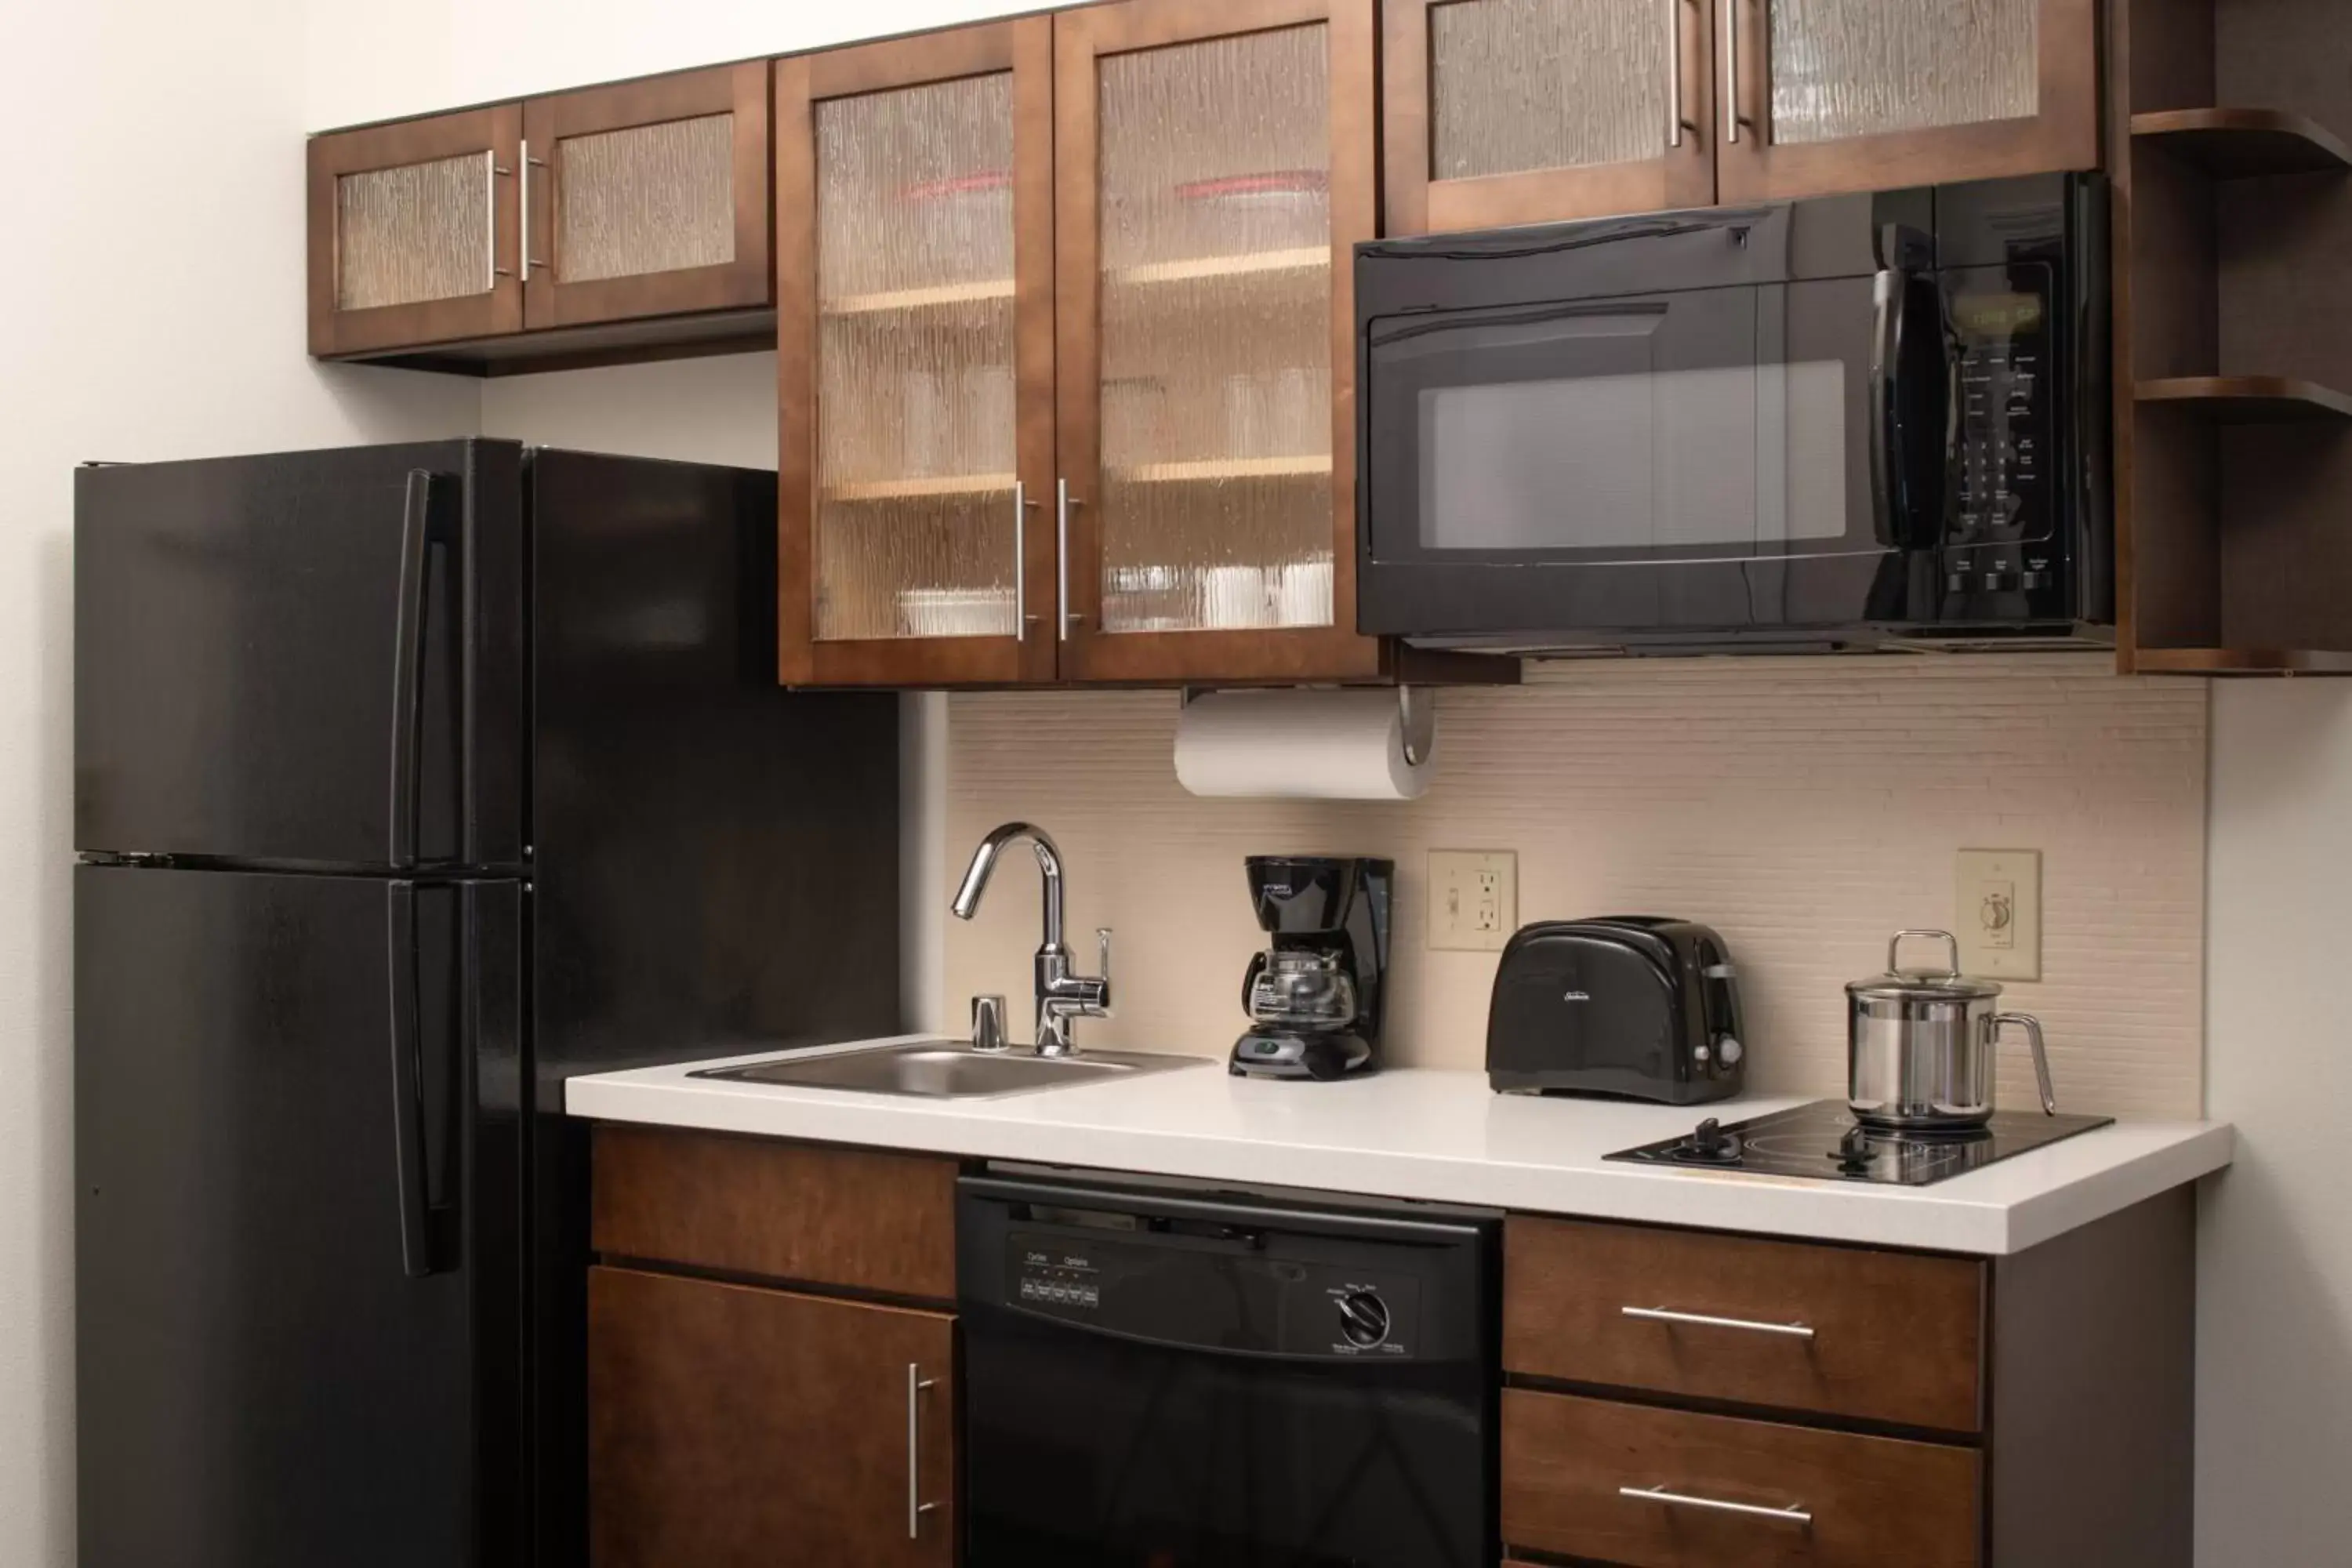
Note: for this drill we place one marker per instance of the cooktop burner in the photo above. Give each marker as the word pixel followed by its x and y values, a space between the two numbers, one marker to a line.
pixel 1823 1141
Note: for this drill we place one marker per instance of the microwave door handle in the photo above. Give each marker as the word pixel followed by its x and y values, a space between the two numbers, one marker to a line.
pixel 1904 472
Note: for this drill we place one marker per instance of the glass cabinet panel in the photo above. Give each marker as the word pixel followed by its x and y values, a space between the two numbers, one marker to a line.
pixel 414 233
pixel 646 198
pixel 1216 334
pixel 1844 68
pixel 1522 85
pixel 915 393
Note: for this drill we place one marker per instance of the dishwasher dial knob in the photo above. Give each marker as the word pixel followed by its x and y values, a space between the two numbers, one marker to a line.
pixel 1363 1319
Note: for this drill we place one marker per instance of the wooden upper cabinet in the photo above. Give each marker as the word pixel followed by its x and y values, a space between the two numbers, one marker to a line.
pixel 1214 170
pixel 414 232
pixel 1833 96
pixel 1513 111
pixel 915 363
pixel 646 198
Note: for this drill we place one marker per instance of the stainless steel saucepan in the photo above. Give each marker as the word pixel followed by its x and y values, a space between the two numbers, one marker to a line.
pixel 1921 1045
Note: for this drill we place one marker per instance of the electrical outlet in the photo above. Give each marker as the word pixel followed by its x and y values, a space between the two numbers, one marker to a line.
pixel 1997 912
pixel 1473 899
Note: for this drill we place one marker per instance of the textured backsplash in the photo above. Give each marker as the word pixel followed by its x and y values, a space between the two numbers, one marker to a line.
pixel 1806 808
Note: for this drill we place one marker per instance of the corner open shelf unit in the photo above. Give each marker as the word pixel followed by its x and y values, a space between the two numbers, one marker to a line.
pixel 2233 325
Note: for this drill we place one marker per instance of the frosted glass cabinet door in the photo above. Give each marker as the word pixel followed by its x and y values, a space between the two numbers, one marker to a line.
pixel 1512 111
pixel 414 232
pixel 1851 95
pixel 915 333
pixel 1214 171
pixel 647 198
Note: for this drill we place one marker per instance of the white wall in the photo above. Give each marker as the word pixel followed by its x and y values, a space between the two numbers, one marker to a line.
pixel 2274 1297
pixel 151 155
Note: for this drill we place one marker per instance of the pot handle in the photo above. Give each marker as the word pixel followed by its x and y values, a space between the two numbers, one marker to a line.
pixel 1951 944
pixel 2032 1027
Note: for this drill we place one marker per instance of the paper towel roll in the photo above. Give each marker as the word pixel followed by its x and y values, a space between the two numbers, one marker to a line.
pixel 1298 745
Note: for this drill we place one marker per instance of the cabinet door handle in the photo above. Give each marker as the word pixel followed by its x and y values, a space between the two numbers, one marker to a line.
pixel 1062 504
pixel 1701 1320
pixel 1675 72
pixel 1795 1513
pixel 529 162
pixel 491 169
pixel 917 1383
pixel 1731 66
pixel 1021 505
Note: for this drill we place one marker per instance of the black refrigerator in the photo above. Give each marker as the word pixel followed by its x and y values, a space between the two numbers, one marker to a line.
pixel 410 781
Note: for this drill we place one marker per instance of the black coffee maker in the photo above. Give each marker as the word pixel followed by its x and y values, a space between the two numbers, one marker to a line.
pixel 1315 997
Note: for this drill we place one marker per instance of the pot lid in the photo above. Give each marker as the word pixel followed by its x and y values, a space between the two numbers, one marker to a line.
pixel 1944 984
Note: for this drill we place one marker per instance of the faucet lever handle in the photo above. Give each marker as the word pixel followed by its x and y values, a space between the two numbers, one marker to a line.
pixel 1102 948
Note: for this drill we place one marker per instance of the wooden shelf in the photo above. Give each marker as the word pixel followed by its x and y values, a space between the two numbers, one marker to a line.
pixel 897 300
pixel 2239 143
pixel 2239 661
pixel 1217 469
pixel 2248 399
pixel 1312 259
pixel 921 489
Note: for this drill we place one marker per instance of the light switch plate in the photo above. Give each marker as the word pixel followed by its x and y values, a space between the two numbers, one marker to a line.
pixel 1473 899
pixel 1997 912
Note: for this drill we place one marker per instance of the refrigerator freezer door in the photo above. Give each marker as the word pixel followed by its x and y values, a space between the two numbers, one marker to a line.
pixel 310 658
pixel 263 1382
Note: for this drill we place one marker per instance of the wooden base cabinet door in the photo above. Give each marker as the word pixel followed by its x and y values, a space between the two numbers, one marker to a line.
pixel 1512 111
pixel 736 1428
pixel 1833 96
pixel 1215 168
pixel 915 360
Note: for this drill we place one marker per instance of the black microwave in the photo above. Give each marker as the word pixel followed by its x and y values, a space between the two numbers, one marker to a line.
pixel 1853 421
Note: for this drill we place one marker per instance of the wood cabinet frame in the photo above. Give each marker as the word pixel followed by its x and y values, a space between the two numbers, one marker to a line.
pixel 1419 203
pixel 1081 39
pixel 746 282
pixel 493 134
pixel 2063 134
pixel 1024 47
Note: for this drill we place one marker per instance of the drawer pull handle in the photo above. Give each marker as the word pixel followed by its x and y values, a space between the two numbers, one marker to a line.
pixel 1792 1514
pixel 1663 1315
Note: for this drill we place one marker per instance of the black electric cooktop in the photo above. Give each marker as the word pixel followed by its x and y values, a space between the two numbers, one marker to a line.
pixel 1823 1141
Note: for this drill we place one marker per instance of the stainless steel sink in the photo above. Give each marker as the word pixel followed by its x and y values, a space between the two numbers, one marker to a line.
pixel 949 1069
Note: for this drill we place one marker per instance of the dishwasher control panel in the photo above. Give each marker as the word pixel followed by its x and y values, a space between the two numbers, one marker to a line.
pixel 1264 1299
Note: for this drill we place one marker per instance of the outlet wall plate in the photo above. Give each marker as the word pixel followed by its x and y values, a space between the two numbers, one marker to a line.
pixel 1997 912
pixel 1473 899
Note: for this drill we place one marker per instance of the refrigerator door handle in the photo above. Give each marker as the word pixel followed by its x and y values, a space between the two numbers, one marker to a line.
pixel 409 1154
pixel 408 669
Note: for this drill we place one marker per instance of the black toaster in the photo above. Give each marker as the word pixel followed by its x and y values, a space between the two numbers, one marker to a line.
pixel 1633 1006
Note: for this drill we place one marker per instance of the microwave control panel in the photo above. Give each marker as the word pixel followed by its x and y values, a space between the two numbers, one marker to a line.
pixel 2004 429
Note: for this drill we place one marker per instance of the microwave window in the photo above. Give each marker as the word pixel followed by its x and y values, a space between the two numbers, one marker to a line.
pixel 1709 458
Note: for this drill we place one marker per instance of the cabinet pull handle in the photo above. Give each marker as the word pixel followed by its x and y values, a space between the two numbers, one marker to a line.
pixel 916 1507
pixel 1020 562
pixel 1062 504
pixel 1674 126
pixel 491 169
pixel 1664 1315
pixel 529 162
pixel 1795 1513
pixel 1731 65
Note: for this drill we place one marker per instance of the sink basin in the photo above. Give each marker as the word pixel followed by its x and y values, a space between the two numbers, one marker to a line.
pixel 949 1069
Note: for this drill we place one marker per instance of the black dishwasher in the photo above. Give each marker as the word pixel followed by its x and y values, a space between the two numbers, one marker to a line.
pixel 1163 1377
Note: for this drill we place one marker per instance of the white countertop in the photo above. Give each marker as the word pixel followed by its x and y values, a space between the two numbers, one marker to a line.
pixel 1442 1137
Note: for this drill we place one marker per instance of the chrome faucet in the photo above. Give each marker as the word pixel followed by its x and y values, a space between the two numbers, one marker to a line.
pixel 1062 996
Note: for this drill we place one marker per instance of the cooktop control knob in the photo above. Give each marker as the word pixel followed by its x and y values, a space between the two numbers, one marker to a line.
pixel 1363 1319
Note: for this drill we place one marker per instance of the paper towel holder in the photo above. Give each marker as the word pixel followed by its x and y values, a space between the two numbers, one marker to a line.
pixel 1416 707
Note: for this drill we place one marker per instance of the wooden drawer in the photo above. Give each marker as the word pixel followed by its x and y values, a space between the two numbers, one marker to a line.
pixel 1894 1336
pixel 812 1212
pixel 1871 1500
